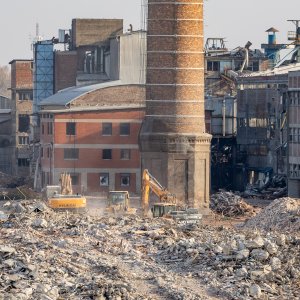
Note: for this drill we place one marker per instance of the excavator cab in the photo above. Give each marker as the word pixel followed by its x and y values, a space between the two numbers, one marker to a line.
pixel 162 209
pixel 118 200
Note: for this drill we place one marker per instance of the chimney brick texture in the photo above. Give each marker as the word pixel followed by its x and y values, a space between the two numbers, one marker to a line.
pixel 175 66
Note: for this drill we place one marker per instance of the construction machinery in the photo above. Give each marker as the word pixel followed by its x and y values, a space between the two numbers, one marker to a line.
pixel 118 202
pixel 62 197
pixel 167 200
pixel 167 205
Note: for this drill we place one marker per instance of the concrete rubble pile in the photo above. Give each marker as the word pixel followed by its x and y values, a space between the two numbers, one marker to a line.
pixel 47 255
pixel 281 214
pixel 13 187
pixel 229 204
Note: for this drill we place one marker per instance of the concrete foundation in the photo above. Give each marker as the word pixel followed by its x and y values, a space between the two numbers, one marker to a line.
pixel 182 164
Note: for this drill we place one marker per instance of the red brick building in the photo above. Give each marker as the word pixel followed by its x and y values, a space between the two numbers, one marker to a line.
pixel 22 97
pixel 92 133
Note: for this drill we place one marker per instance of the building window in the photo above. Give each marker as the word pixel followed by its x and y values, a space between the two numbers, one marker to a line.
pixel 106 128
pixel 125 154
pixel 70 128
pixel 49 128
pixel 213 66
pixel 23 162
pixel 48 152
pixel 104 179
pixel 125 179
pixel 72 153
pixel 23 140
pixel 42 152
pixel 43 129
pixel 24 123
pixel 106 154
pixel 75 179
pixel 25 96
pixel 124 129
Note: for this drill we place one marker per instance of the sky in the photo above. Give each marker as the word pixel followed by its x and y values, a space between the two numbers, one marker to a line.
pixel 238 21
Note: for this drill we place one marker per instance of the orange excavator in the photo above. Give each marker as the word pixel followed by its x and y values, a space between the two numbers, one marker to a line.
pixel 62 197
pixel 167 200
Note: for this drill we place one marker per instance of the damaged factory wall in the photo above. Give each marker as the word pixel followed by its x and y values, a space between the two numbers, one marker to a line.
pixel 293 103
pixel 22 104
pixel 259 132
pixel 5 135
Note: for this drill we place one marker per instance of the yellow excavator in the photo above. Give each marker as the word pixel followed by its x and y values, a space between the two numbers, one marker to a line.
pixel 62 197
pixel 167 200
pixel 167 205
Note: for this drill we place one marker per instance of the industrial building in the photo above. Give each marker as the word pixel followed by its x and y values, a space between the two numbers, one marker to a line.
pixel 6 140
pixel 293 141
pixel 92 133
pixel 223 66
pixel 21 111
pixel 263 117
pixel 105 104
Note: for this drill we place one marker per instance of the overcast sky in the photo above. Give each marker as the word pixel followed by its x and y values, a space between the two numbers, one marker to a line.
pixel 236 20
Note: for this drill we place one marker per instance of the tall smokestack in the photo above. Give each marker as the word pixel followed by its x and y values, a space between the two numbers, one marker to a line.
pixel 174 145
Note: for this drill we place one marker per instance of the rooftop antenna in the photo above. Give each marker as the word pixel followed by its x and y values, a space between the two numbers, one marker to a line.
pixel 37 30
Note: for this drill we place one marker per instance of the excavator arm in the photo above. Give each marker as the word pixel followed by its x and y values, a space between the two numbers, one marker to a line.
pixel 151 183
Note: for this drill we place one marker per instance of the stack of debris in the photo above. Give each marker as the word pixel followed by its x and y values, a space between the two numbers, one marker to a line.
pixel 54 255
pixel 271 188
pixel 230 205
pixel 13 187
pixel 281 214
pixel 238 266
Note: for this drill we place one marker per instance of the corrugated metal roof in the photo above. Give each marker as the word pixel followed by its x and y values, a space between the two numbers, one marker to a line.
pixel 276 71
pixel 64 97
pixel 95 108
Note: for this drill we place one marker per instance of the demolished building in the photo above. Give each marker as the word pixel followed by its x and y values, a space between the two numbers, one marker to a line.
pixel 6 142
pixel 22 103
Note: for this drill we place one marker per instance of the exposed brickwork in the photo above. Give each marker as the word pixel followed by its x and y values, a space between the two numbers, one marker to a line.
pixel 21 74
pixel 170 27
pixel 24 106
pixel 174 145
pixel 178 76
pixel 182 60
pixel 174 92
pixel 98 30
pixel 65 69
pixel 171 11
pixel 168 31
pixel 130 94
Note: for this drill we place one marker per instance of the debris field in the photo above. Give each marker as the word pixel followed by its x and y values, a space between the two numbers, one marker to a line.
pixel 47 255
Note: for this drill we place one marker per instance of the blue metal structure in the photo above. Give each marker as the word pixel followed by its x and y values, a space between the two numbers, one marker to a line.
pixel 43 76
